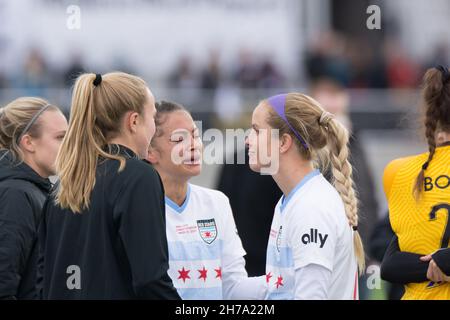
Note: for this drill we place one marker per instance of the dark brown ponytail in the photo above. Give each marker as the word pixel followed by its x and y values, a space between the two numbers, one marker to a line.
pixel 436 96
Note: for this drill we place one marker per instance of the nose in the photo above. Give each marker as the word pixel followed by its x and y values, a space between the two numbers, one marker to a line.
pixel 195 143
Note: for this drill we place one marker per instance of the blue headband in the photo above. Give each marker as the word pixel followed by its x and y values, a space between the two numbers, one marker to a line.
pixel 278 104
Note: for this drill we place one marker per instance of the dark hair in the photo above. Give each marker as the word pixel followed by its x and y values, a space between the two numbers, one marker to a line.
pixel 436 96
pixel 163 108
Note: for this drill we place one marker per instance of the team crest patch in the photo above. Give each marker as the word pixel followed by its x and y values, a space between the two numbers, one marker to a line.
pixel 207 229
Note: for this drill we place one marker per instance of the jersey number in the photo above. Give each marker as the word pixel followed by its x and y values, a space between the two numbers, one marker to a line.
pixel 432 215
pixel 446 236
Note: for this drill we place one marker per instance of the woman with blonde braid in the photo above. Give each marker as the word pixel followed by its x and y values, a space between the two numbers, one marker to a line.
pixel 314 248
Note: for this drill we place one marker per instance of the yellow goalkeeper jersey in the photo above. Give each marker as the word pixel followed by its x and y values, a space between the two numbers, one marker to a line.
pixel 422 226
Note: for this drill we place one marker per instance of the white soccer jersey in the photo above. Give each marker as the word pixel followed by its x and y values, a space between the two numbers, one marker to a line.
pixel 310 227
pixel 205 253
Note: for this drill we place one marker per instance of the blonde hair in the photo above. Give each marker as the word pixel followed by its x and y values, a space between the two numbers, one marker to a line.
pixel 15 117
pixel 95 118
pixel 327 141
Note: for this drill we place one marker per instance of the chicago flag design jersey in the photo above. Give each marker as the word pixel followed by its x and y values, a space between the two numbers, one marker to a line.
pixel 310 227
pixel 204 248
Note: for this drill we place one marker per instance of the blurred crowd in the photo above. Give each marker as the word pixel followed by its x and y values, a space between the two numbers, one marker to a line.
pixel 352 63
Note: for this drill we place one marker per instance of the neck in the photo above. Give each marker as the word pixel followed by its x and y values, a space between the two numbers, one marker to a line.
pixel 175 190
pixel 42 173
pixel 443 139
pixel 290 174
pixel 126 142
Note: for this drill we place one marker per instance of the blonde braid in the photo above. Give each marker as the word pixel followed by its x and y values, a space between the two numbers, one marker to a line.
pixel 341 168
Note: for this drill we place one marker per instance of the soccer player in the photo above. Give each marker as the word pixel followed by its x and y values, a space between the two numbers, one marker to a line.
pixel 418 193
pixel 314 248
pixel 206 256
pixel 31 132
pixel 103 234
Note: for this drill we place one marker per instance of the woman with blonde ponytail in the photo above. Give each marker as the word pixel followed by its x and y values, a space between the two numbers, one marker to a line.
pixel 314 247
pixel 31 131
pixel 417 189
pixel 103 234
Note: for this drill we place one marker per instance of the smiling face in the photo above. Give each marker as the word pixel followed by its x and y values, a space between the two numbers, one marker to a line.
pixel 262 142
pixel 177 150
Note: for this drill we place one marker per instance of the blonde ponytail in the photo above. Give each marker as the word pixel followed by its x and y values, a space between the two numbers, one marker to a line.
pixel 94 119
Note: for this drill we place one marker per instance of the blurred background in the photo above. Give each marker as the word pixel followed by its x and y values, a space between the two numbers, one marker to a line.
pixel 219 58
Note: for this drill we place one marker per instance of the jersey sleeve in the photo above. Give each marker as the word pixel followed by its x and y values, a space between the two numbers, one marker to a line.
pixel 312 236
pixel 402 267
pixel 312 283
pixel 232 246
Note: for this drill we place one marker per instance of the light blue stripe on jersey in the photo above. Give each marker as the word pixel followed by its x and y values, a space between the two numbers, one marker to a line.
pixel 309 176
pixel 195 250
pixel 175 206
pixel 200 293
pixel 282 259
pixel 283 295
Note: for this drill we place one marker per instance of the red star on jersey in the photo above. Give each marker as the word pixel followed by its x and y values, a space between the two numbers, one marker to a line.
pixel 218 273
pixel 279 282
pixel 203 274
pixel 268 276
pixel 184 274
pixel 208 234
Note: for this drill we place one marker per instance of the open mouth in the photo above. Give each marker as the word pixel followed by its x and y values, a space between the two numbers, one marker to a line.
pixel 194 160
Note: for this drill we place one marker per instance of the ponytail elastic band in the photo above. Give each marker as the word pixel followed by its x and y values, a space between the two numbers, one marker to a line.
pixel 425 166
pixel 278 103
pixel 325 117
pixel 32 121
pixel 98 79
pixel 445 73
pixel 355 228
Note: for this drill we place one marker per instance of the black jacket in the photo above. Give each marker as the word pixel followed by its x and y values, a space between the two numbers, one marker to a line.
pixel 22 196
pixel 115 249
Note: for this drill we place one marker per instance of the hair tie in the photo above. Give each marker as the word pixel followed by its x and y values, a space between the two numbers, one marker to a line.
pixel 325 118
pixel 445 73
pixel 98 79
pixel 355 228
pixel 425 166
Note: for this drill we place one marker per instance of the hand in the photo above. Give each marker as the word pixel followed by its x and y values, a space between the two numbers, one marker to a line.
pixel 434 273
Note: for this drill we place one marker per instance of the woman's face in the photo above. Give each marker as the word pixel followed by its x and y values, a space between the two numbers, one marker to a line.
pixel 262 141
pixel 53 127
pixel 177 152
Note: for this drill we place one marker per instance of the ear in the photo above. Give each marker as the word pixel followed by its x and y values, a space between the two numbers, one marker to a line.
pixel 132 121
pixel 26 142
pixel 153 155
pixel 285 143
